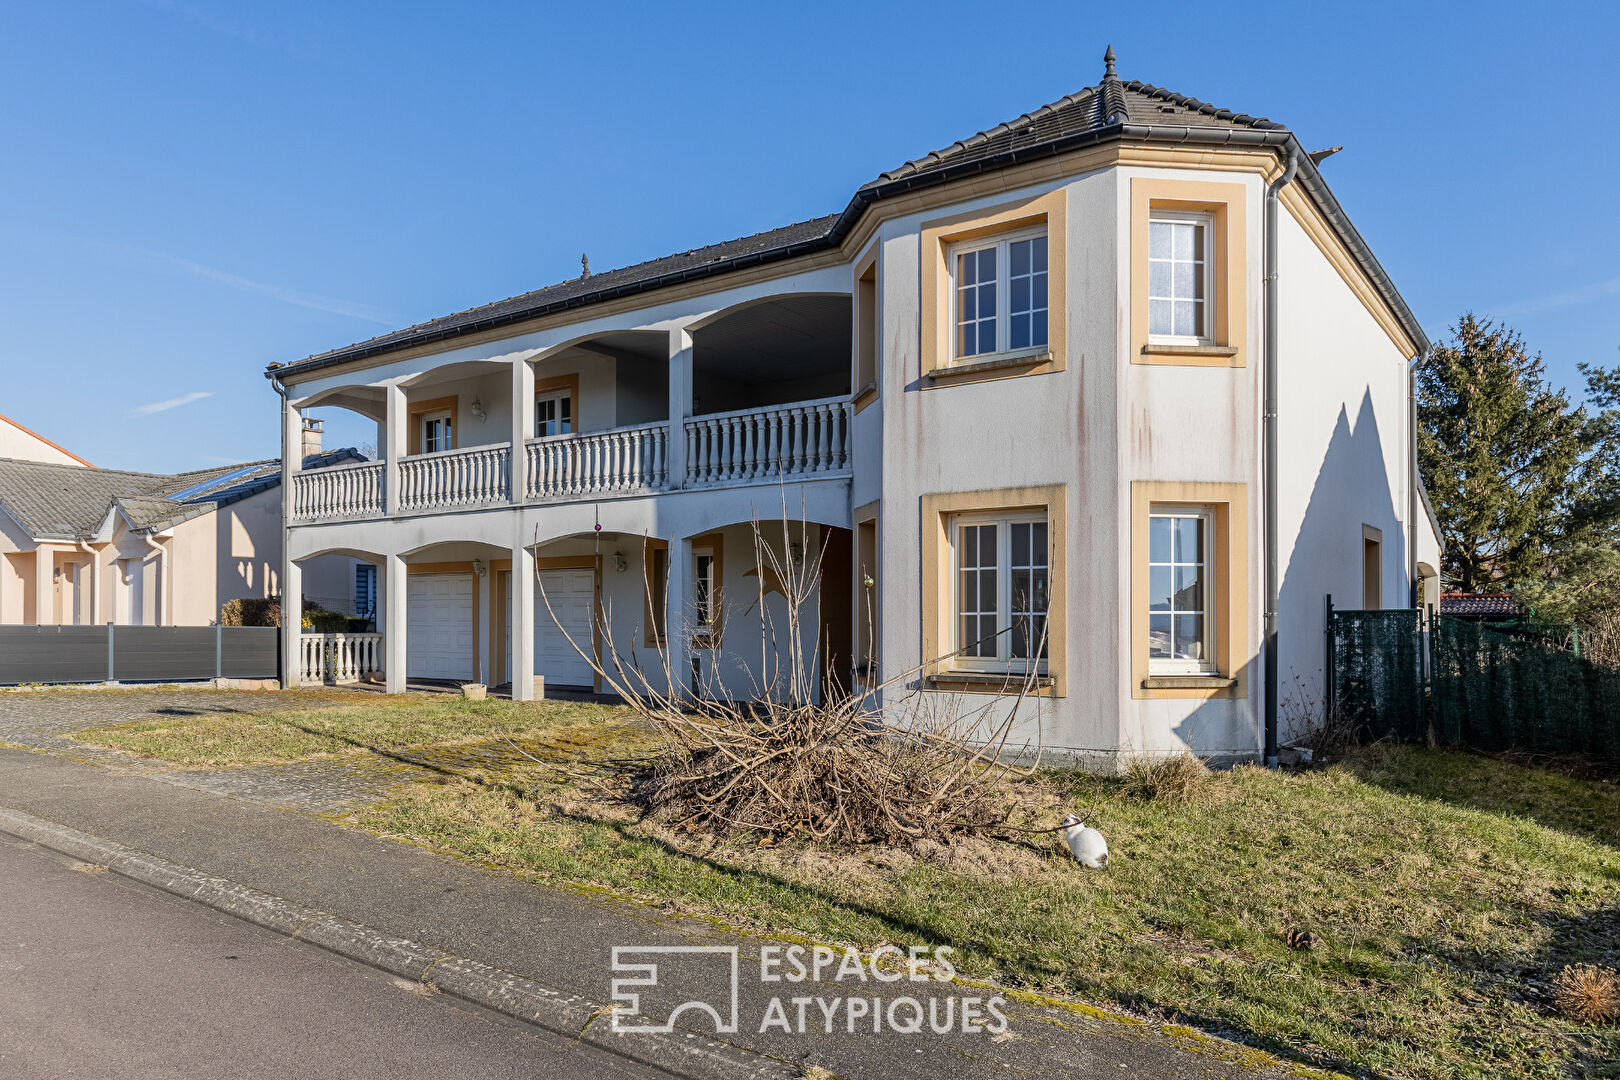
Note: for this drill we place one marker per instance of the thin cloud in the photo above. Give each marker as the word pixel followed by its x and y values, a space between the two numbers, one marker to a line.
pixel 173 403
pixel 287 296
pixel 1584 295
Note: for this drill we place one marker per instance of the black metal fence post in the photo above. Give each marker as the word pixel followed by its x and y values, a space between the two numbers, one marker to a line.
pixel 111 677
pixel 219 651
pixel 1328 667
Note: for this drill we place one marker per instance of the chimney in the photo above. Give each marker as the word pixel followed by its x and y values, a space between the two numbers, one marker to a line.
pixel 312 436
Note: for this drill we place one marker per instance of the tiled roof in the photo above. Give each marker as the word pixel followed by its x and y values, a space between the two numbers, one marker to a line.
pixel 1093 109
pixel 67 502
pixel 1112 108
pixel 598 286
pixel 1478 604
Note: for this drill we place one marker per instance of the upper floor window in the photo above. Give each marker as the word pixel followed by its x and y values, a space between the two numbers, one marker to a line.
pixel 1179 278
pixel 1002 590
pixel 1180 590
pixel 999 296
pixel 553 414
pixel 438 431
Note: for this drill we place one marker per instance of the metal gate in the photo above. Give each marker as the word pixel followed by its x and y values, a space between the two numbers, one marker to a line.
pixel 1376 671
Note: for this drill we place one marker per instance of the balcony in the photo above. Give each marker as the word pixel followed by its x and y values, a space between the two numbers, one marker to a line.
pixel 799 440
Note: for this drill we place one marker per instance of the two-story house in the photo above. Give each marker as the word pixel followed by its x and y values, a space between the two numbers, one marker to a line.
pixel 1114 389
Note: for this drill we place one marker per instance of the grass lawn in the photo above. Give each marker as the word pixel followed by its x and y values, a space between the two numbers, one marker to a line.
pixel 369 724
pixel 1447 889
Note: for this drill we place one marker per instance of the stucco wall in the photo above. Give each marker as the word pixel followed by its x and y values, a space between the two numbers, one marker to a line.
pixel 1343 426
pixel 22 445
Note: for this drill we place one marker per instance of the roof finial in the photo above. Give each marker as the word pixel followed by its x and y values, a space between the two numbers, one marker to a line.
pixel 584 265
pixel 1108 63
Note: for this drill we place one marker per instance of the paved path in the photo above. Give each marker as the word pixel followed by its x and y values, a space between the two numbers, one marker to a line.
pixel 564 939
pixel 102 978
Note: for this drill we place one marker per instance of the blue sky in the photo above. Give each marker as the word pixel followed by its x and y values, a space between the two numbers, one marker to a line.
pixel 192 191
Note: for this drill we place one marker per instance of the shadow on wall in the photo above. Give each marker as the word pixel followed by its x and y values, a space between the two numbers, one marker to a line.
pixel 1351 490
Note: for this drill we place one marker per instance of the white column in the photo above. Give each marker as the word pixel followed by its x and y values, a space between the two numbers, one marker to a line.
pixel 522 643
pixel 522 426
pixel 393 591
pixel 44 586
pixel 393 448
pixel 677 628
pixel 680 404
pixel 292 620
pixel 292 575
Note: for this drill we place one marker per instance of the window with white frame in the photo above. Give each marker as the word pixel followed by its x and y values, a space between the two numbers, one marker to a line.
pixel 553 413
pixel 1180 282
pixel 438 432
pixel 998 295
pixel 705 601
pixel 1181 590
pixel 365 590
pixel 1002 590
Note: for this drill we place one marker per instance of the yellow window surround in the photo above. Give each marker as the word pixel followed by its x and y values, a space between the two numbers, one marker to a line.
pixel 938 617
pixel 1229 505
pixel 1225 203
pixel 938 236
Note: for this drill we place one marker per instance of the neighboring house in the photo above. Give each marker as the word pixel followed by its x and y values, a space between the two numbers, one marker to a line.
pixel 83 546
pixel 1481 607
pixel 1019 384
pixel 17 443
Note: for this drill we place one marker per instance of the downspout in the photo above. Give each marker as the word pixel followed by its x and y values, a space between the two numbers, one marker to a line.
pixel 1273 680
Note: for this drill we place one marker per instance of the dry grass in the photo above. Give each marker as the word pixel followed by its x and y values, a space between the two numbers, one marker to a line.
pixel 1175 780
pixel 1588 994
pixel 1446 890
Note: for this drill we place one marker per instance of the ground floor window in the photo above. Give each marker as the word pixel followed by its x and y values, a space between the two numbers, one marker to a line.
pixel 365 591
pixel 1180 625
pixel 1002 590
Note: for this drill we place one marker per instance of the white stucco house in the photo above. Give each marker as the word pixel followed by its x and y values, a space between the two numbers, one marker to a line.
pixel 1120 369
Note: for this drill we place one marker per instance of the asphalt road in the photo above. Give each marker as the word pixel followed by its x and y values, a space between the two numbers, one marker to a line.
pixel 100 977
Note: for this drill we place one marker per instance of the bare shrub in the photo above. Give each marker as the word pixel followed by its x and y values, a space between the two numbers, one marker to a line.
pixel 1600 640
pixel 836 766
pixel 1304 712
pixel 1588 994
pixel 1176 779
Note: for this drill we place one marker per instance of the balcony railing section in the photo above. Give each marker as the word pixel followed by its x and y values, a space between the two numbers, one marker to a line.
pixel 805 438
pixel 338 658
pixel 451 478
pixel 340 491
pixel 626 459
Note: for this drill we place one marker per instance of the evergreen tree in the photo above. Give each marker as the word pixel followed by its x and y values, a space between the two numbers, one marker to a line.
pixel 1515 473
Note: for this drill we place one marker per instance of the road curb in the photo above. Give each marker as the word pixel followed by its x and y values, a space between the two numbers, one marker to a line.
pixel 514 996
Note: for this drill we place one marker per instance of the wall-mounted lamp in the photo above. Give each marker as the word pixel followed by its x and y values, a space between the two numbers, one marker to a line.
pixel 620 563
pixel 796 554
pixel 478 410
pixel 480 567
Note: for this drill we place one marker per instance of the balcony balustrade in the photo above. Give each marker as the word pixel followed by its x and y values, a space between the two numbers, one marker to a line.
pixel 342 491
pixel 626 459
pixel 451 478
pixel 803 439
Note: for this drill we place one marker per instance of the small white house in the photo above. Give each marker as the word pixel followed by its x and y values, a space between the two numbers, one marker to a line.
pixel 1118 374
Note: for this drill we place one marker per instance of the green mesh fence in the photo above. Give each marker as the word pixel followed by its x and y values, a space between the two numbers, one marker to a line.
pixel 1520 690
pixel 1375 673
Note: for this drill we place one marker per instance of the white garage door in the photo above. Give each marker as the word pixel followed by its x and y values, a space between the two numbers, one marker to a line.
pixel 439 626
pixel 572 593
